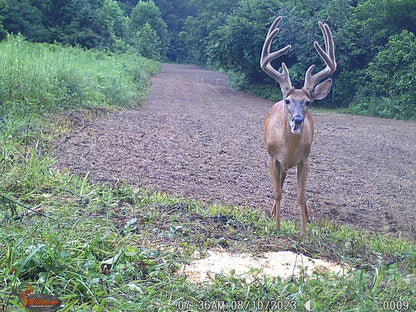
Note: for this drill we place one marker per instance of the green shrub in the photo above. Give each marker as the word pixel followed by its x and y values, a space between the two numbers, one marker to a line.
pixel 390 79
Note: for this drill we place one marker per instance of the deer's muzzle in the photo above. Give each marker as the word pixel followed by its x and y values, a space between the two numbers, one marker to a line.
pixel 297 121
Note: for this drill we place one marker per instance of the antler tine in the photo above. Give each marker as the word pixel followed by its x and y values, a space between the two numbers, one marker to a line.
pixel 328 57
pixel 266 58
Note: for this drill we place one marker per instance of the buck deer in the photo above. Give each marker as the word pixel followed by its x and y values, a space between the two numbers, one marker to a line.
pixel 288 128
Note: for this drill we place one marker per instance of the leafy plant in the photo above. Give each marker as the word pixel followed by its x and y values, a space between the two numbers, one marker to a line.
pixel 390 77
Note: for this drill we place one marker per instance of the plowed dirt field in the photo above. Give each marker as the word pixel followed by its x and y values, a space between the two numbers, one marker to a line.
pixel 201 139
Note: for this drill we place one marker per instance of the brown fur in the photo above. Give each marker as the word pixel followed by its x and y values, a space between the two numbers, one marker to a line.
pixel 288 128
pixel 287 150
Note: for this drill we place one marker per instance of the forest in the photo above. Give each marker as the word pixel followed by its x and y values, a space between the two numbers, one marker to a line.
pixel 375 40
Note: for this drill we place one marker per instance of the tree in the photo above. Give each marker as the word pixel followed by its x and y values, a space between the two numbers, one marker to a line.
pixel 127 5
pixel 210 15
pixel 236 45
pixel 25 17
pixel 174 13
pixel 147 13
pixel 148 43
pixel 89 23
pixel 3 9
pixel 113 26
pixel 365 32
pixel 83 27
pixel 390 79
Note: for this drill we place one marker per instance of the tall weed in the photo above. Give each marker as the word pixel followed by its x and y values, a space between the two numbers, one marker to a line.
pixel 38 78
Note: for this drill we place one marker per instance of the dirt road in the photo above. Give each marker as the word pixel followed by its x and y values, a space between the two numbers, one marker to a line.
pixel 201 139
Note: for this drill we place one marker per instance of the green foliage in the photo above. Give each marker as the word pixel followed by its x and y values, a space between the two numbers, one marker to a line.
pixel 197 28
pixel 147 42
pixel 149 29
pixel 236 46
pixel 43 78
pixel 24 17
pixel 100 24
pixel 389 90
pixel 174 13
pixel 3 8
pixel 364 34
pixel 114 26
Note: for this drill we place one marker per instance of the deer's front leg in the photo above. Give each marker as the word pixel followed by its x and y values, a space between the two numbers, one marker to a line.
pixel 278 174
pixel 302 172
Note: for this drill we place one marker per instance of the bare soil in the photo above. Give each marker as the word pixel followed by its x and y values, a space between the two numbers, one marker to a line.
pixel 198 138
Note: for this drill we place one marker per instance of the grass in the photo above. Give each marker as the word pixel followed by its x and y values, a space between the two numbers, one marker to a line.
pixel 45 78
pixel 102 248
pixel 117 248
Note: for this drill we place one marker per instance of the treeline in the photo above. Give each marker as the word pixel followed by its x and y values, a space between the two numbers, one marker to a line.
pixel 117 26
pixel 375 40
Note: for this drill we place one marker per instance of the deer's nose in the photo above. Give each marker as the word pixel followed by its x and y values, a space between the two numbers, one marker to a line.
pixel 297 120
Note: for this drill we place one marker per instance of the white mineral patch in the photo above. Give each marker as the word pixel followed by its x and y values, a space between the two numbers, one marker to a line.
pixel 282 264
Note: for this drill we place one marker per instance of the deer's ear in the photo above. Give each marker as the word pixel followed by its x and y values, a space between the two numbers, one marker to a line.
pixel 321 90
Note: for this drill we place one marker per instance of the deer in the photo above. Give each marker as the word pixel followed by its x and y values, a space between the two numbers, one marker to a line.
pixel 288 127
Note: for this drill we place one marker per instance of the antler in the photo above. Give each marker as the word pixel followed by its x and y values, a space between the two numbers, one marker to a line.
pixel 266 57
pixel 328 56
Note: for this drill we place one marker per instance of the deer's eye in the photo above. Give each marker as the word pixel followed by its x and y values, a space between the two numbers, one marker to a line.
pixel 307 103
pixel 287 101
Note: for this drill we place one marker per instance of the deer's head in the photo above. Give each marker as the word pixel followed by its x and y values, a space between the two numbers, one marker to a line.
pixel 297 101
